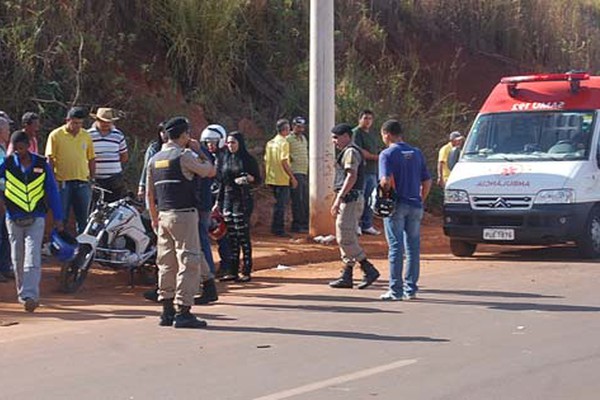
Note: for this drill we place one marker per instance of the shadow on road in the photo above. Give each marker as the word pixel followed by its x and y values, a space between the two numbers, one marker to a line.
pixel 304 307
pixel 550 254
pixel 513 306
pixel 489 293
pixel 333 334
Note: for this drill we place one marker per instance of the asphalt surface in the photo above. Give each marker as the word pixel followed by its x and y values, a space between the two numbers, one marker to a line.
pixel 514 325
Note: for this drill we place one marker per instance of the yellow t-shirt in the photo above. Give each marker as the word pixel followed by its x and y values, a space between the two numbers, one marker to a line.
pixel 443 156
pixel 70 154
pixel 277 150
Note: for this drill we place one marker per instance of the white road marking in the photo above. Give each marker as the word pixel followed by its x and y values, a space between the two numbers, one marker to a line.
pixel 336 381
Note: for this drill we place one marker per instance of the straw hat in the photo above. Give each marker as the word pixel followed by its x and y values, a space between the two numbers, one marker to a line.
pixel 106 115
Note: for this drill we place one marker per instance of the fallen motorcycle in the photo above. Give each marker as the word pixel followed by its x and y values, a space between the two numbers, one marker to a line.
pixel 116 236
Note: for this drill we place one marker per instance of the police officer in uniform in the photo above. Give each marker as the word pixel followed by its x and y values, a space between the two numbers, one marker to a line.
pixel 171 196
pixel 347 208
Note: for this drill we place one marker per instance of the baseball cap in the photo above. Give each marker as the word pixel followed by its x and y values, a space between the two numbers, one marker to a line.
pixel 455 135
pixel 299 121
pixel 4 115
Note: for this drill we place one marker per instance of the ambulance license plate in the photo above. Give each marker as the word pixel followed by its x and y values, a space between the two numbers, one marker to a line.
pixel 499 234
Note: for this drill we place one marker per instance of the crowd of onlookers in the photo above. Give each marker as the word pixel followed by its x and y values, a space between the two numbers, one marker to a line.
pixel 77 158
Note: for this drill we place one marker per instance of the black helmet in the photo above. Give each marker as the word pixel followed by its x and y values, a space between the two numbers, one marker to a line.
pixel 385 202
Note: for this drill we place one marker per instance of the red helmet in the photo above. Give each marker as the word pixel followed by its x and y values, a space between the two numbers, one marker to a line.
pixel 217 228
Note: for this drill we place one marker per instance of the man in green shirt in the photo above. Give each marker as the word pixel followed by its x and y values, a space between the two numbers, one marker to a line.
pixel 299 160
pixel 370 144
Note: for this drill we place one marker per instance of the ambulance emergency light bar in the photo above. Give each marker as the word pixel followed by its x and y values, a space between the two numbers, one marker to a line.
pixel 574 78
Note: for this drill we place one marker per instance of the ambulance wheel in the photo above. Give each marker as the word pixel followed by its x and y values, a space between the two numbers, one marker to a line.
pixel 461 248
pixel 589 243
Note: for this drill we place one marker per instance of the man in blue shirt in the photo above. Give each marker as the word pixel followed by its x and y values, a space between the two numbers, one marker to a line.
pixel 30 185
pixel 403 169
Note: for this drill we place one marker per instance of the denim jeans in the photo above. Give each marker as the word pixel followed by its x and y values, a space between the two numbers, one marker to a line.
pixel 203 224
pixel 26 251
pixel 299 197
pixel 366 220
pixel 282 198
pixel 76 194
pixel 5 261
pixel 402 230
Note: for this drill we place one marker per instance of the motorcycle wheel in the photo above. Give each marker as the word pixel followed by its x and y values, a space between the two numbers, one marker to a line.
pixel 72 274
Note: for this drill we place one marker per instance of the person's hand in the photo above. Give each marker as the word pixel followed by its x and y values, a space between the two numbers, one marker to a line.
pixel 294 182
pixel 194 145
pixel 155 225
pixel 441 182
pixel 58 225
pixel 141 193
pixel 335 208
pixel 250 178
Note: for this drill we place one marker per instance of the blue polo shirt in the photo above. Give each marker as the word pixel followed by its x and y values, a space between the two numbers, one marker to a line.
pixel 407 165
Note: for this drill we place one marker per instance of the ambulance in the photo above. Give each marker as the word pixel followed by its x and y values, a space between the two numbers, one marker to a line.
pixel 529 172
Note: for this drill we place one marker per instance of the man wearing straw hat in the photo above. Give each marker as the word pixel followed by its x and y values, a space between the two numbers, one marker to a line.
pixel 111 153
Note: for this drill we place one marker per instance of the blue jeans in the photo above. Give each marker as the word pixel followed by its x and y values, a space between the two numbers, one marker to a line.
pixel 300 203
pixel 26 246
pixel 282 198
pixel 366 220
pixel 5 262
pixel 78 195
pixel 203 224
pixel 402 230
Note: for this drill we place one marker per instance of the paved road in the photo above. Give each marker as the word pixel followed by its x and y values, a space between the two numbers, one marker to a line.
pixel 503 326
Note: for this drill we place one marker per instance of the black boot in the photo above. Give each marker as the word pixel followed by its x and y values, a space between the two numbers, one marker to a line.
pixel 168 313
pixel 345 280
pixel 209 293
pixel 151 295
pixel 185 319
pixel 370 274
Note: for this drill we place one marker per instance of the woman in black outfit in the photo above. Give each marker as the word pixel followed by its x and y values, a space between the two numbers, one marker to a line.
pixel 239 170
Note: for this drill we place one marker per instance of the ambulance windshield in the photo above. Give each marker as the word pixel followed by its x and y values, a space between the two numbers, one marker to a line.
pixel 530 136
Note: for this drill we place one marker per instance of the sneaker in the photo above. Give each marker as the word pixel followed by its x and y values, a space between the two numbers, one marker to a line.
pixel 359 231
pixel 390 296
pixel 409 296
pixel 372 231
pixel 30 304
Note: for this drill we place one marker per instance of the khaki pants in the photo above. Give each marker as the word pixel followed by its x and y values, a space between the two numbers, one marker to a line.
pixel 346 225
pixel 181 264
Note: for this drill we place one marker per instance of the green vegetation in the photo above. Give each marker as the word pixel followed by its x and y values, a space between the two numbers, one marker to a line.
pixel 249 59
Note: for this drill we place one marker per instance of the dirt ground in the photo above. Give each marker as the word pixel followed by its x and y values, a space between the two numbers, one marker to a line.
pixel 106 286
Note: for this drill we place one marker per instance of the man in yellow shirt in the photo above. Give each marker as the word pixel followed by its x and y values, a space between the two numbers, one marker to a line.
pixel 279 175
pixel 70 152
pixel 455 139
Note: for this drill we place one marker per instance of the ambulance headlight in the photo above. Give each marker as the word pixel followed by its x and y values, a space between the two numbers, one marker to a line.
pixel 455 196
pixel 559 196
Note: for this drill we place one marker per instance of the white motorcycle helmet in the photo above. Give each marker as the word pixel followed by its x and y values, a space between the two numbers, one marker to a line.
pixel 214 132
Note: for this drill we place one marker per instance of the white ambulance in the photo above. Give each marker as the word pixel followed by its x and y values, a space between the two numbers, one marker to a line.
pixel 529 172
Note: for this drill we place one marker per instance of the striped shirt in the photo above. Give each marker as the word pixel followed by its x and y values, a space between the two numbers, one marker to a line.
pixel 298 153
pixel 108 150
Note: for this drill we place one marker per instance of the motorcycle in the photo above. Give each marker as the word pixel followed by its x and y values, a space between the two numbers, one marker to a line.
pixel 116 236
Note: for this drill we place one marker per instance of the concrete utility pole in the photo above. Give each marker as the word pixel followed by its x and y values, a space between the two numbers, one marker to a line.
pixel 322 116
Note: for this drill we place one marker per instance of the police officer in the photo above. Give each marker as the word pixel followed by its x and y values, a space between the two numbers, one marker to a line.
pixel 171 196
pixel 348 206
